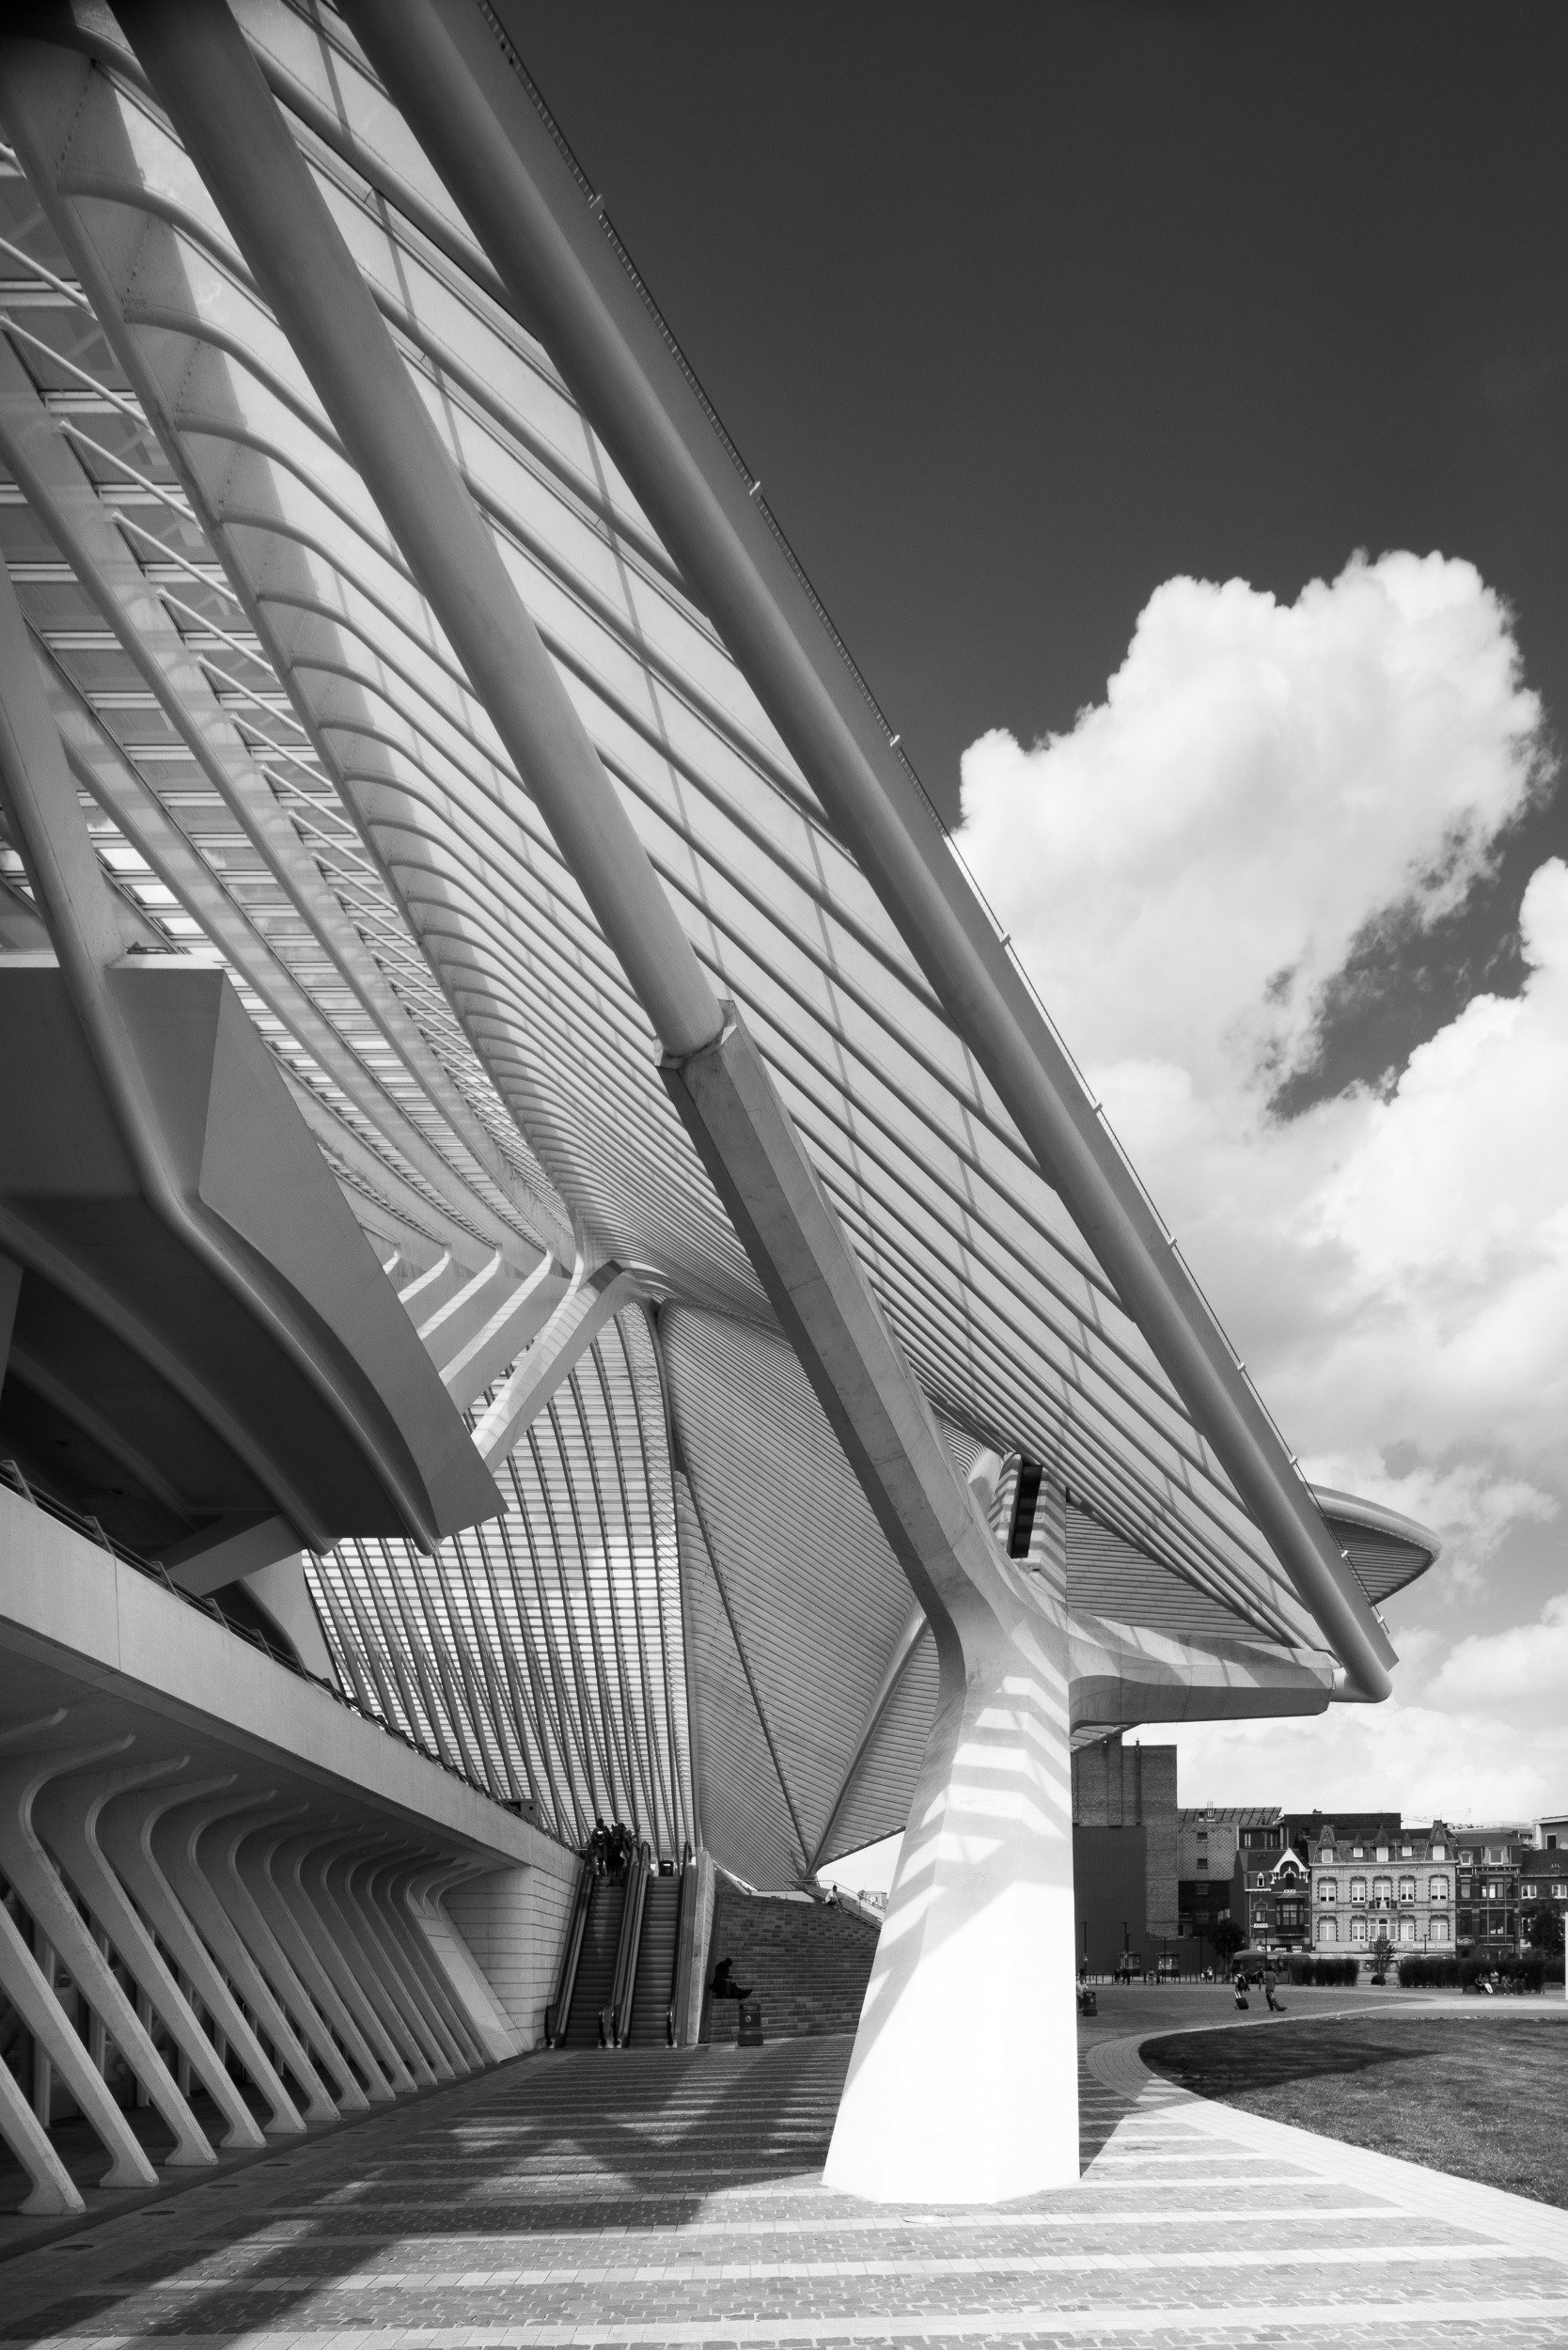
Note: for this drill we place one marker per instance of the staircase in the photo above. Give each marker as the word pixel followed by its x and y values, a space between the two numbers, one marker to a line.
pixel 596 1963
pixel 654 1987
pixel 807 1963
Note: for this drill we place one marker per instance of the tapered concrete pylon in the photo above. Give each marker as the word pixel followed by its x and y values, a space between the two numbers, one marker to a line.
pixel 962 2087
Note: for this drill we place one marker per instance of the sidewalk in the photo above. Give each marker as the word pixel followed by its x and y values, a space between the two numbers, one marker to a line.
pixel 585 2201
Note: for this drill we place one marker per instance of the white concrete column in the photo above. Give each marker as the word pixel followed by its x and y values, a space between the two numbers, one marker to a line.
pixel 126 1832
pixel 303 1878
pixel 176 1837
pixel 326 1879
pixel 349 1877
pixel 257 1860
pixel 377 1883
pixel 67 1813
pixel 223 1841
pixel 52 2191
pixel 358 1936
pixel 963 2086
pixel 388 1889
pixel 30 1988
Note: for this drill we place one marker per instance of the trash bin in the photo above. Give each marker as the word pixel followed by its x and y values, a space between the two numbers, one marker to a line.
pixel 750 2034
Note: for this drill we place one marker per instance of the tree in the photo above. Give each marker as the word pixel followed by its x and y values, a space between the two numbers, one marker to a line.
pixel 1544 1930
pixel 1227 1937
pixel 1382 1952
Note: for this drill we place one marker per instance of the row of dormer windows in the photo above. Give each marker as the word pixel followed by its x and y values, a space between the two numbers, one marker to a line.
pixel 1330 1853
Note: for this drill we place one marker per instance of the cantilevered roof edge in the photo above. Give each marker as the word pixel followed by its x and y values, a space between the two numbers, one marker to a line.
pixel 497 150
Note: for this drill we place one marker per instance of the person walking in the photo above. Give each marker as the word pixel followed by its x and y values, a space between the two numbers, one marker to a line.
pixel 1271 1983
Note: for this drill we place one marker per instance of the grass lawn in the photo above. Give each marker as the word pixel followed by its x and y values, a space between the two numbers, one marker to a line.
pixel 1482 2097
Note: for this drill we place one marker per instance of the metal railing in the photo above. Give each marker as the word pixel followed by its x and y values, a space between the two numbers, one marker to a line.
pixel 208 1604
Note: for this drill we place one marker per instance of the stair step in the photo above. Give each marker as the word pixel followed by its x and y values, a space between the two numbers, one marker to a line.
pixel 808 1965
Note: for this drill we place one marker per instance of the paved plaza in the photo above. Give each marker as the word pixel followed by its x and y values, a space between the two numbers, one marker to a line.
pixel 654 2196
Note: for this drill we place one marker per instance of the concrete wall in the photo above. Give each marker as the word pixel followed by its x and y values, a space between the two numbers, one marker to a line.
pixel 1118 1786
pixel 696 1929
pixel 514 1923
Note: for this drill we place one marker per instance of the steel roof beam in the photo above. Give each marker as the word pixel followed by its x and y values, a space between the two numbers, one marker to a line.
pixel 473 113
pixel 103 768
pixel 69 512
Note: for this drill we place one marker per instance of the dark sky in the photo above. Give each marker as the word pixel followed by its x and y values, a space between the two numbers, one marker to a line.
pixel 1020 309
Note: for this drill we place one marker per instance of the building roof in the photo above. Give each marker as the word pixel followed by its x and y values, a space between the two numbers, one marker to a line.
pixel 686 1615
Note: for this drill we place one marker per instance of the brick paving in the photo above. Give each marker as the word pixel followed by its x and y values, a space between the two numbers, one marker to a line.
pixel 676 2196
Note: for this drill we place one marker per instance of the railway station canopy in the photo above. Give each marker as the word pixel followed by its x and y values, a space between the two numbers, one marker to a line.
pixel 376 1264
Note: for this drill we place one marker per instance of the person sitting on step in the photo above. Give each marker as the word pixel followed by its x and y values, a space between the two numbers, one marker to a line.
pixel 724 1985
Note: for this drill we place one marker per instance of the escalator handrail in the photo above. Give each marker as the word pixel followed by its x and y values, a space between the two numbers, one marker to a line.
pixel 626 1956
pixel 671 2024
pixel 558 2014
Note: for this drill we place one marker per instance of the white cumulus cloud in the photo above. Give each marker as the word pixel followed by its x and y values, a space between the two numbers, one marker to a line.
pixel 1528 1660
pixel 1186 874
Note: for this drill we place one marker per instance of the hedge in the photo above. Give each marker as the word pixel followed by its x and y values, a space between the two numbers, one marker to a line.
pixel 1330 1972
pixel 1450 1974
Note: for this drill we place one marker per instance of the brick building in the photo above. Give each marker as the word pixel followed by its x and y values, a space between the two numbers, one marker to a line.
pixel 1394 1881
pixel 1273 1898
pixel 1543 1882
pixel 1208 1840
pixel 1488 1878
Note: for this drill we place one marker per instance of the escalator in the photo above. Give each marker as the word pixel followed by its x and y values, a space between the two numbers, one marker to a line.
pixel 653 1985
pixel 622 1959
pixel 594 1986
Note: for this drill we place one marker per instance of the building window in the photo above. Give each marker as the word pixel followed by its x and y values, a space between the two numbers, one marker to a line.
pixel 1439 1930
pixel 1358 1852
pixel 1383 1852
pixel 1329 1929
pixel 1436 1889
pixel 1358 1929
pixel 1202 1835
pixel 1439 1852
pixel 1203 1860
pixel 1465 1858
pixel 1329 1889
pixel 1325 1858
pixel 1383 1892
pixel 1407 1889
pixel 1407 1852
pixel 1407 1928
pixel 1358 1888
